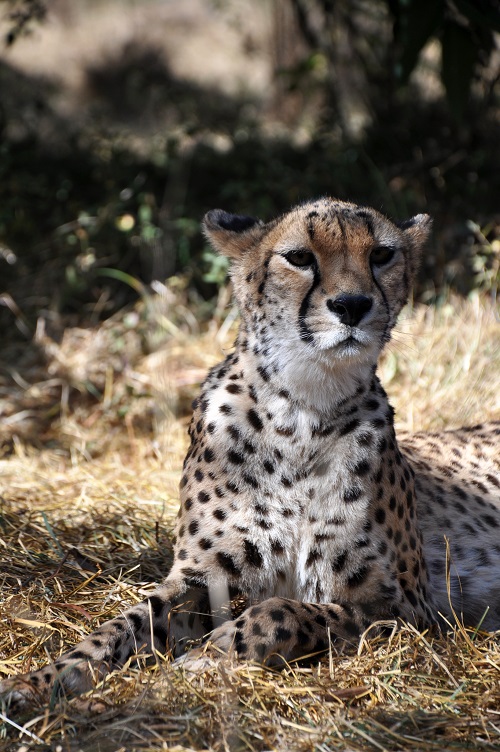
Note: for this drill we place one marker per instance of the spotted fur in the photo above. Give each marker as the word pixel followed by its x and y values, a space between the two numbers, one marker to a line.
pixel 295 495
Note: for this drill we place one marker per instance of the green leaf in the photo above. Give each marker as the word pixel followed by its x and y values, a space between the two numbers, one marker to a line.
pixel 127 279
pixel 459 55
pixel 417 20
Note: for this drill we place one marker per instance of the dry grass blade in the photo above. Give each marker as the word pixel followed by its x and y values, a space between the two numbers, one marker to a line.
pixel 85 527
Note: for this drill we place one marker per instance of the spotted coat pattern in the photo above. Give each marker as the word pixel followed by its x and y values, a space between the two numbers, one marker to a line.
pixel 296 497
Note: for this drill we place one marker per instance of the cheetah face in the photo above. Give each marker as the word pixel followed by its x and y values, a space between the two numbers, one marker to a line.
pixel 328 277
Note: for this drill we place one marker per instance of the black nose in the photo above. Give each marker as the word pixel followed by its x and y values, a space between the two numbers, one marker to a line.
pixel 350 308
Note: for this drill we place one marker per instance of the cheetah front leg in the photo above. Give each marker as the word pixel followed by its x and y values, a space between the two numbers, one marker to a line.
pixel 280 628
pixel 166 621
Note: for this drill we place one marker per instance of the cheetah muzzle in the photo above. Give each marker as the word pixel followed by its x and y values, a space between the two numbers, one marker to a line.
pixel 296 496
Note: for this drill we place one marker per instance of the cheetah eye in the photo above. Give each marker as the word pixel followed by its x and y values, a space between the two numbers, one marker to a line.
pixel 300 258
pixel 381 255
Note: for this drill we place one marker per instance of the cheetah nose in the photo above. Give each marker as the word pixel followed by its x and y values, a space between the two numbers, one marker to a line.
pixel 350 308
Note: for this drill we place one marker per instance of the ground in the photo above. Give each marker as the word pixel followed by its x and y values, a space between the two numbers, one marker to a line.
pixel 88 500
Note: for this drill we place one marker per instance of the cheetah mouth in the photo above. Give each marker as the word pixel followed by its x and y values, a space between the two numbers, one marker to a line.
pixel 345 342
pixel 350 345
pixel 353 338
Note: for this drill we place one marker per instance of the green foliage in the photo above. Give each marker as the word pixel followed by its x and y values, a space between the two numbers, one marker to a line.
pixel 216 267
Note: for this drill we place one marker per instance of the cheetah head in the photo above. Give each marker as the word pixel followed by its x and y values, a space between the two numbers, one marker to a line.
pixel 323 282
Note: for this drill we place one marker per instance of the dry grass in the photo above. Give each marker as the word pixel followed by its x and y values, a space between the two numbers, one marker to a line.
pixel 442 368
pixel 85 523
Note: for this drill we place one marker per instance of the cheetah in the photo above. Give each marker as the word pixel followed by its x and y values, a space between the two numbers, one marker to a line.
pixel 296 498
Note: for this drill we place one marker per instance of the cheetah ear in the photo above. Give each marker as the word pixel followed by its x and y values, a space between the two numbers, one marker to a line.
pixel 417 230
pixel 231 234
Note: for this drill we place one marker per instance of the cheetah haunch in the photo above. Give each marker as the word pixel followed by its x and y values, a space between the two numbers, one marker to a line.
pixel 295 494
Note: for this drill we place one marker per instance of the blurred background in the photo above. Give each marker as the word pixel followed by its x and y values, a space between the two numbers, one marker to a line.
pixel 123 121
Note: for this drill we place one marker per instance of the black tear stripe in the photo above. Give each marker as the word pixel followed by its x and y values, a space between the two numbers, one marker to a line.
pixel 386 335
pixel 267 260
pixel 406 276
pixel 262 285
pixel 305 333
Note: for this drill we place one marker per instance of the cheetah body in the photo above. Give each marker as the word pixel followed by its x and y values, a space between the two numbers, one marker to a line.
pixel 295 495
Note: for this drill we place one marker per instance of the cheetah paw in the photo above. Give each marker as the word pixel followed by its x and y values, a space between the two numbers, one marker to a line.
pixel 199 660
